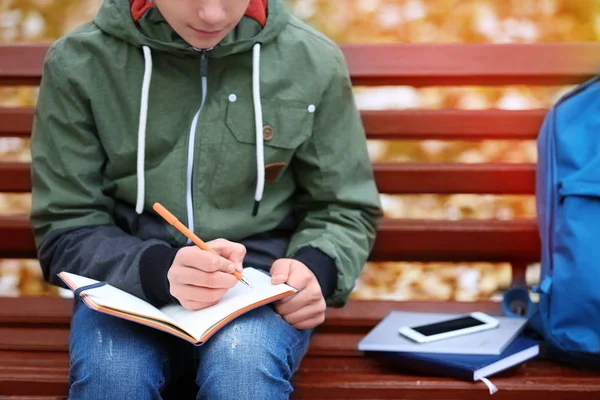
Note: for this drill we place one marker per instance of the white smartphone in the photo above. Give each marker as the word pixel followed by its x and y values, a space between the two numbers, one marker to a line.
pixel 462 325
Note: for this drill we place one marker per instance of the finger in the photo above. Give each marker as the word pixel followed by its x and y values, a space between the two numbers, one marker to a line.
pixel 199 294
pixel 300 276
pixel 280 271
pixel 195 305
pixel 195 277
pixel 205 261
pixel 310 323
pixel 234 252
pixel 292 303
pixel 304 314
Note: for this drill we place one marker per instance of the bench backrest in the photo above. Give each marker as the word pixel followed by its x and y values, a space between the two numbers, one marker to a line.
pixel 514 241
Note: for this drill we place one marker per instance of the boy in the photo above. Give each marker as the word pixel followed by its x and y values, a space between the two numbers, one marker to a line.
pixel 240 120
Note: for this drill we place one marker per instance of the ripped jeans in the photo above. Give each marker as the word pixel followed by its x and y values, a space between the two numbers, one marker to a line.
pixel 253 357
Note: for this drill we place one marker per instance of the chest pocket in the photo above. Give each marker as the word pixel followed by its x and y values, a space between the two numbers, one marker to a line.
pixel 286 126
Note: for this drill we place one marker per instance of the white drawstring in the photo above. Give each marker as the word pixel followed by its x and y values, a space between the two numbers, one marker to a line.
pixel 139 206
pixel 258 120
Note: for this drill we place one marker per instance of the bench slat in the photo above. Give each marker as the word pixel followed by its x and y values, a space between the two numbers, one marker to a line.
pixel 390 386
pixel 391 178
pixel 407 64
pixel 42 323
pixel 386 124
pixel 56 312
pixel 397 240
pixel 465 240
pixel 447 124
pixel 477 64
pixel 451 178
pixel 16 122
pixel 15 177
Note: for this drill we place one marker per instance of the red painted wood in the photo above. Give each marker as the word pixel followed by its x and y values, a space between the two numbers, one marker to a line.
pixel 15 122
pixel 477 64
pixel 21 64
pixel 397 240
pixel 35 311
pixel 391 178
pixel 407 64
pixel 44 311
pixel 452 124
pixel 15 177
pixel 451 178
pixel 466 240
pixel 386 124
pixel 16 238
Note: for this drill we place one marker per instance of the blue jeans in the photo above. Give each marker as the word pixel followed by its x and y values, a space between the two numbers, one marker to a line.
pixel 253 357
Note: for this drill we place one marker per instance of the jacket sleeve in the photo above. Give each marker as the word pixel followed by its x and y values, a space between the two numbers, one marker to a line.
pixel 71 216
pixel 338 201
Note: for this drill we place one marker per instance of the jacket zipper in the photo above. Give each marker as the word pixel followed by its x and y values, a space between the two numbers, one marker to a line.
pixel 192 142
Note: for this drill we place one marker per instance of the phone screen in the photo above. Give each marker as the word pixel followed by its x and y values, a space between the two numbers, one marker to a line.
pixel 448 326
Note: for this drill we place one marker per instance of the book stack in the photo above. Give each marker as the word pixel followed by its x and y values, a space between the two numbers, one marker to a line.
pixel 470 357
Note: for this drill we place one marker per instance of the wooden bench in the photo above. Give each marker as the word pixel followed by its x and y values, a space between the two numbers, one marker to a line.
pixel 34 331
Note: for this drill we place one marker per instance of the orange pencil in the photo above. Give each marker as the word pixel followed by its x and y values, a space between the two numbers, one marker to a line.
pixel 171 219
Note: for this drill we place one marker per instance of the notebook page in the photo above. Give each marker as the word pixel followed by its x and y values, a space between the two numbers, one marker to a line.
pixel 238 297
pixel 111 297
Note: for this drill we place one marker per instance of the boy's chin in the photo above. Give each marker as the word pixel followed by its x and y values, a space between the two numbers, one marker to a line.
pixel 204 43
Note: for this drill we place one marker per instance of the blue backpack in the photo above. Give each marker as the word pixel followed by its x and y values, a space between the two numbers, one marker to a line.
pixel 567 316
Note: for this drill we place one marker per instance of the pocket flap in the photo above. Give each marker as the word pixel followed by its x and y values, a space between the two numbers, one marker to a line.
pixel 290 122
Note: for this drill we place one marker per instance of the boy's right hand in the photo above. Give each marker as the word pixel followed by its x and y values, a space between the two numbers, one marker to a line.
pixel 199 278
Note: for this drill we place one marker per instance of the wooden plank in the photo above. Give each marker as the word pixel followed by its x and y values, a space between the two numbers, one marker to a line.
pixel 452 178
pixel 353 377
pixel 407 64
pixel 16 238
pixel 16 122
pixel 394 386
pixel 56 312
pixel 35 311
pixel 464 240
pixel 15 177
pixel 34 339
pixel 391 178
pixel 452 124
pixel 42 397
pixel 42 324
pixel 476 64
pixel 33 359
pixel 21 64
pixel 397 240
pixel 386 124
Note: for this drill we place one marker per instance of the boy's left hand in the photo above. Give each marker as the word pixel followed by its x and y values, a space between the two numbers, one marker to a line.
pixel 306 309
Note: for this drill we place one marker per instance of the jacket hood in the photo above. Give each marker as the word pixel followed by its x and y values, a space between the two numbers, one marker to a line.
pixel 141 24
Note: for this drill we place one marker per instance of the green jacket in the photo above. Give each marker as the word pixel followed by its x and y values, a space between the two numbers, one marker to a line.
pixel 128 115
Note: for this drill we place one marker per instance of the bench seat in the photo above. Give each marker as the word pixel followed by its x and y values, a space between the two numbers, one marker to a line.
pixel 34 359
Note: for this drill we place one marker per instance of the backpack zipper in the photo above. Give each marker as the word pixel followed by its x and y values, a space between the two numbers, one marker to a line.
pixel 192 140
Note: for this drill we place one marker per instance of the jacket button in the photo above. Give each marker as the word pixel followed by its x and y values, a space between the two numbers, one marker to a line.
pixel 268 132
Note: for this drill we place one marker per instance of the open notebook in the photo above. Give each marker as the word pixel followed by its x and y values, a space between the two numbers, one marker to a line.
pixel 194 326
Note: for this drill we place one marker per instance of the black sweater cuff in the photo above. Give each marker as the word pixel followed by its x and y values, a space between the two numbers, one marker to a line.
pixel 155 262
pixel 322 266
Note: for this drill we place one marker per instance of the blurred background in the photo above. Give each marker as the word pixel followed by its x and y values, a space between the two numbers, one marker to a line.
pixel 369 21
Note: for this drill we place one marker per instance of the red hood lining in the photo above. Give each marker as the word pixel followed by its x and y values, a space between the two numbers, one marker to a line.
pixel 257 10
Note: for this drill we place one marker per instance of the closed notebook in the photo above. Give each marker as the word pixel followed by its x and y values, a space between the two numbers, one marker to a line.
pixel 194 326
pixel 385 336
pixel 464 367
